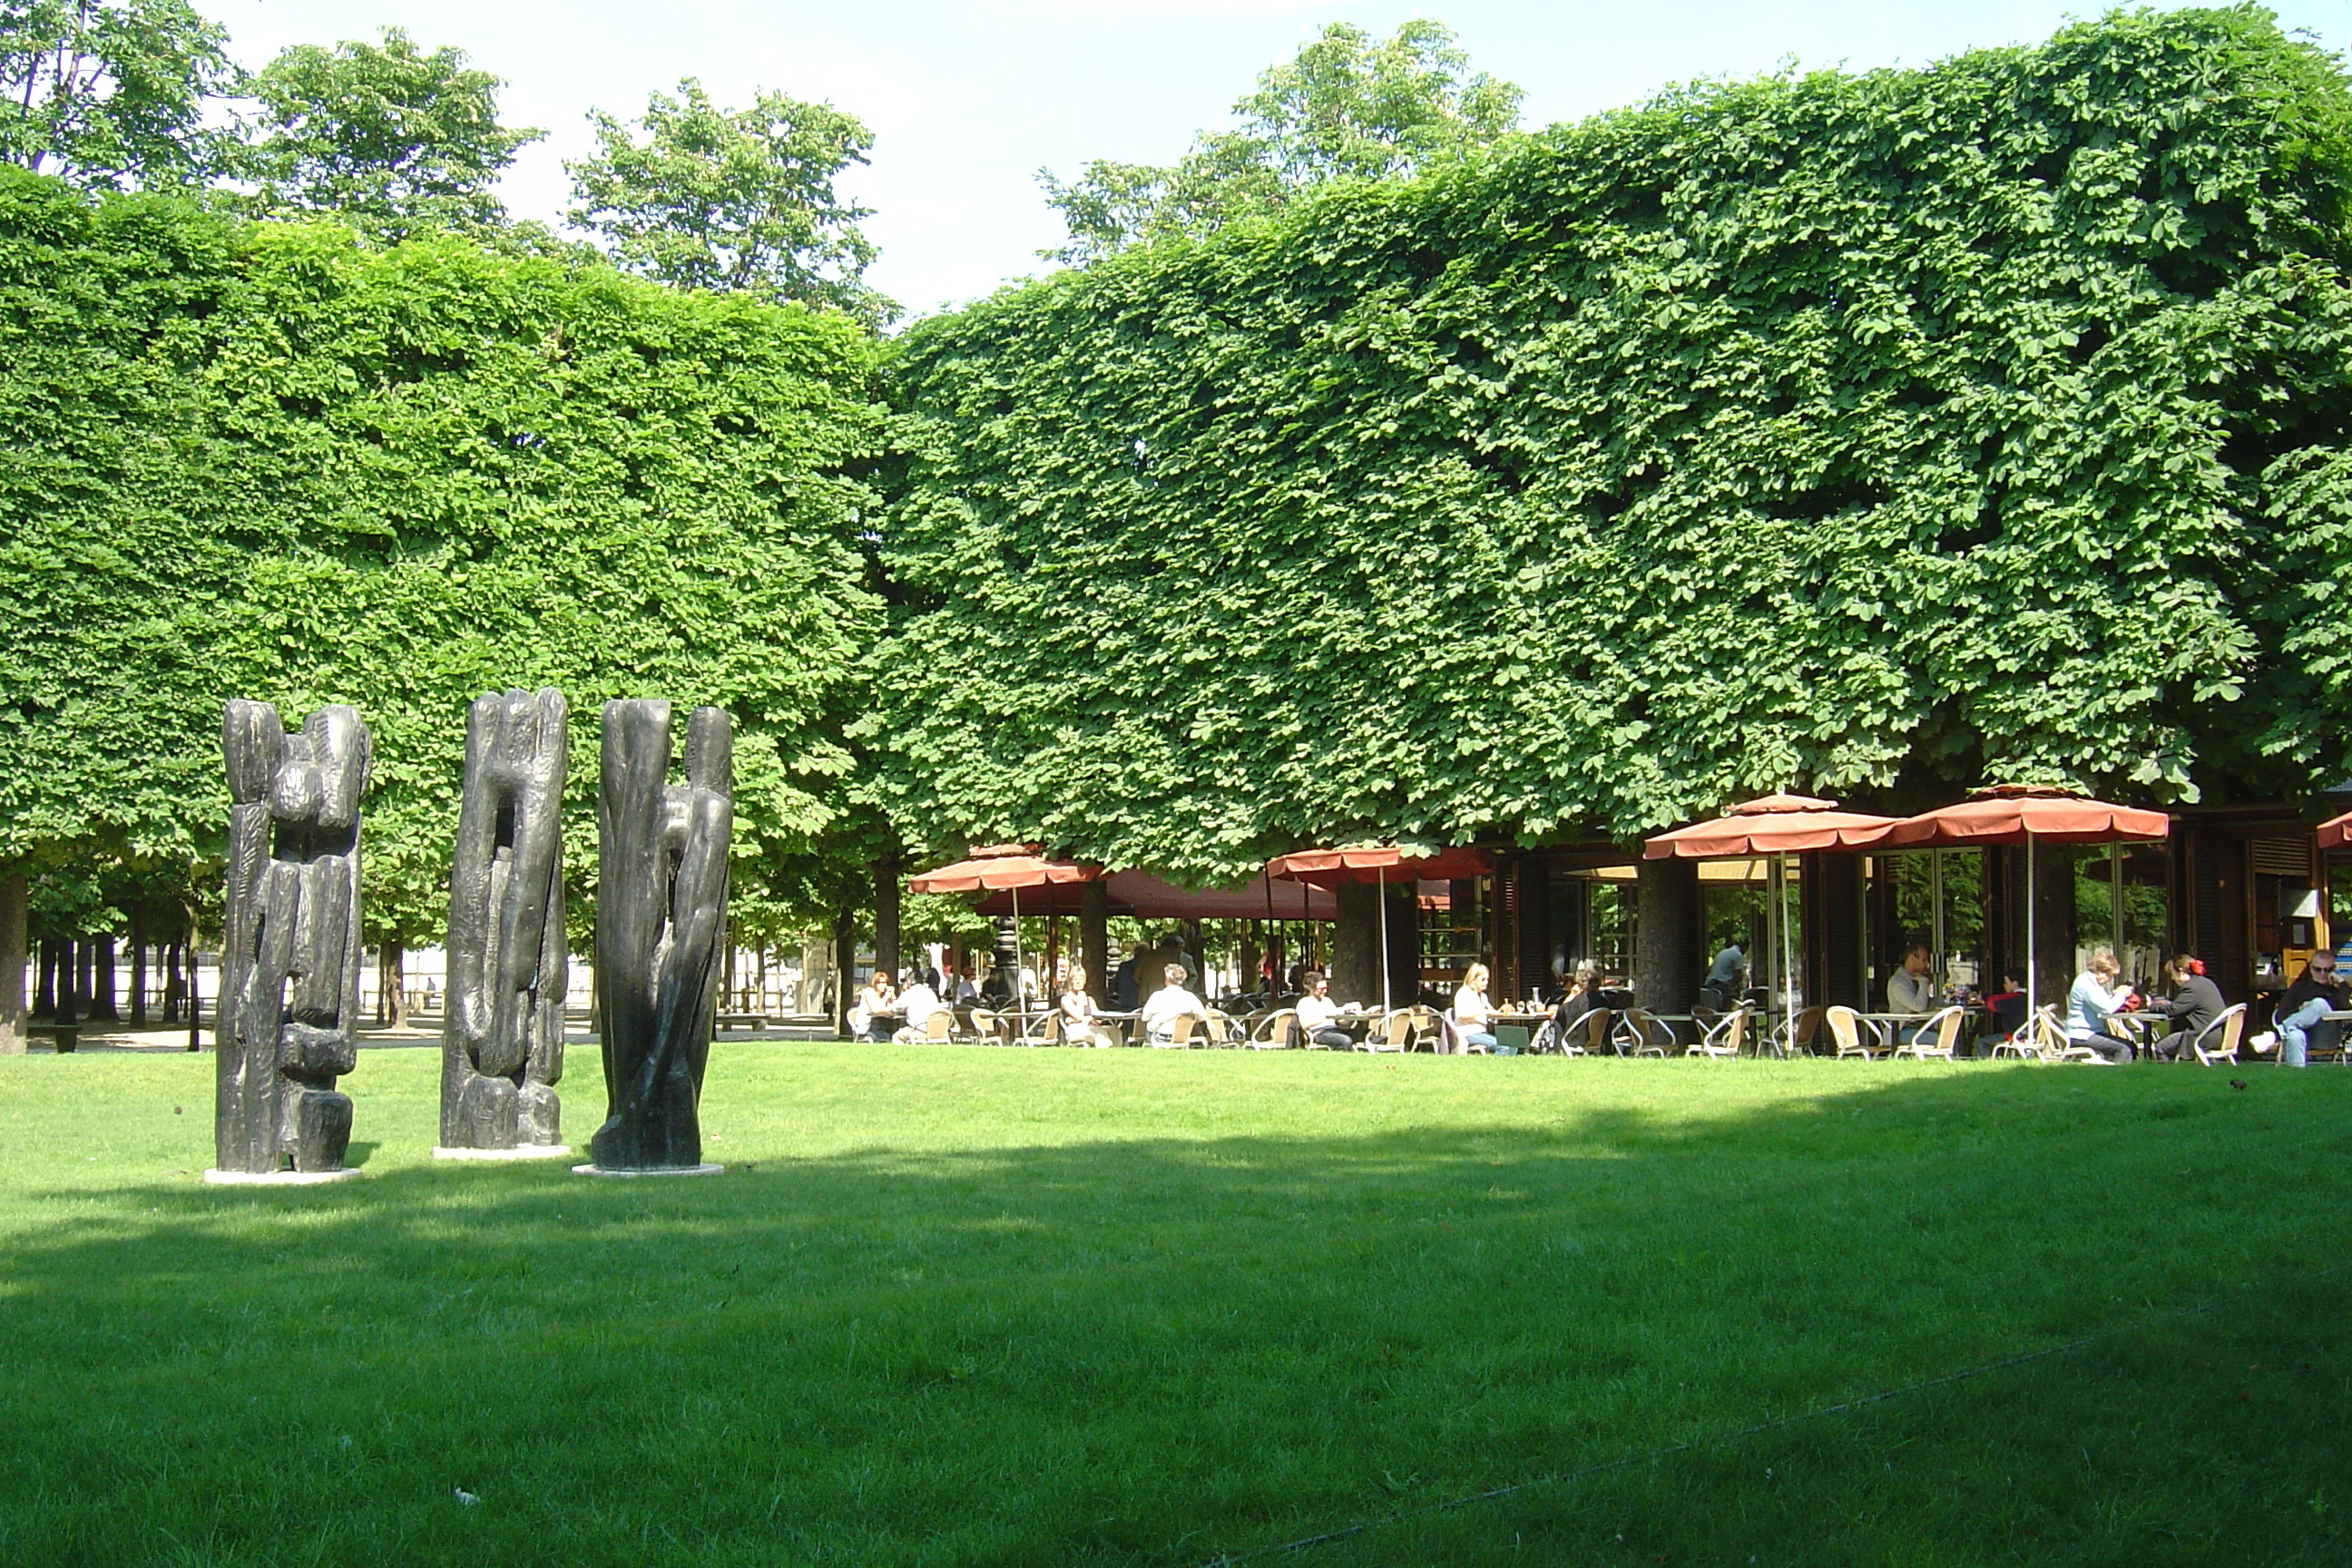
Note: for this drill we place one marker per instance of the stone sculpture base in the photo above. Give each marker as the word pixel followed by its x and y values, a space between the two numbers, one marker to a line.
pixel 280 1178
pixel 654 1170
pixel 521 1151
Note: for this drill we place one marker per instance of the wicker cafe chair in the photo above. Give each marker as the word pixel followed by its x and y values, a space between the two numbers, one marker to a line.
pixel 1725 1037
pixel 1935 1035
pixel 2217 1041
pixel 2047 1040
pixel 1392 1031
pixel 1594 1033
pixel 1641 1034
pixel 990 1028
pixel 1275 1031
pixel 940 1024
pixel 1807 1028
pixel 1853 1040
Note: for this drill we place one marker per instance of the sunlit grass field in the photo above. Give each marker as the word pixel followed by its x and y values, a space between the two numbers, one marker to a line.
pixel 959 1305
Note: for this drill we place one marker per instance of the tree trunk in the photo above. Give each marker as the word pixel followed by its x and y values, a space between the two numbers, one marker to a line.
pixel 1094 939
pixel 886 914
pixel 845 967
pixel 1667 927
pixel 68 1010
pixel 1355 943
pixel 195 992
pixel 13 890
pixel 44 994
pixel 139 966
pixel 103 995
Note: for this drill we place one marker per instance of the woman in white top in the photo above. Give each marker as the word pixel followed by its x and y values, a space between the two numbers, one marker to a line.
pixel 2093 997
pixel 1319 1016
pixel 1168 1004
pixel 1076 1018
pixel 1472 1011
pixel 872 998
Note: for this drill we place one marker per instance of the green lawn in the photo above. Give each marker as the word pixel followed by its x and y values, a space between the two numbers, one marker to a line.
pixel 954 1305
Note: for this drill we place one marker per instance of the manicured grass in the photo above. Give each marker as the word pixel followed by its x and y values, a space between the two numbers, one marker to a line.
pixel 953 1305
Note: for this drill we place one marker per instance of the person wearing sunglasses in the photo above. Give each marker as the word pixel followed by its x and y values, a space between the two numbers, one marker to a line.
pixel 2302 1012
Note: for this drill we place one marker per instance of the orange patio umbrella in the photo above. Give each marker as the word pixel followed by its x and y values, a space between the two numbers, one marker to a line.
pixel 2334 831
pixel 1384 864
pixel 2028 814
pixel 1008 866
pixel 1773 827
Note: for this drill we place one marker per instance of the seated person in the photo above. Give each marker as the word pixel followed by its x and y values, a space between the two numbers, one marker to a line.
pixel 1473 1012
pixel 1910 990
pixel 1723 978
pixel 2092 999
pixel 864 1020
pixel 1319 1016
pixel 1168 1004
pixel 961 992
pixel 1075 1013
pixel 2195 1002
pixel 1578 1001
pixel 2301 1020
pixel 920 1002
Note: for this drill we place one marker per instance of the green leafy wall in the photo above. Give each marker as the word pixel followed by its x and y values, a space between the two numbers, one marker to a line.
pixel 1871 434
pixel 278 462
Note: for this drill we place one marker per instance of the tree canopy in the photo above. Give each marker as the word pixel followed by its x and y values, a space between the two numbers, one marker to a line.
pixel 384 136
pixel 739 200
pixel 1871 433
pixel 1347 106
pixel 109 93
pixel 277 461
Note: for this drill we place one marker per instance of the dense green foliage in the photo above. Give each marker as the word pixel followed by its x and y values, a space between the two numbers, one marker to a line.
pixel 1345 107
pixel 384 136
pixel 276 461
pixel 734 199
pixel 954 1306
pixel 109 93
pixel 1871 434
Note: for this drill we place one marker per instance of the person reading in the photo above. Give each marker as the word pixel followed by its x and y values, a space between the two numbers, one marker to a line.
pixel 2094 998
pixel 1319 1016
pixel 1168 1004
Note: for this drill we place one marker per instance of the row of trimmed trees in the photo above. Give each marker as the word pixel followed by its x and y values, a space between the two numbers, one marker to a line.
pixel 1870 433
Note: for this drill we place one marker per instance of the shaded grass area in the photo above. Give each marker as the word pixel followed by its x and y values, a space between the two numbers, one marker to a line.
pixel 953 1305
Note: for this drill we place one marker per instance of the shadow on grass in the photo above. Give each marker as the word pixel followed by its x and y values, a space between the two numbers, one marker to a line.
pixel 1150 1350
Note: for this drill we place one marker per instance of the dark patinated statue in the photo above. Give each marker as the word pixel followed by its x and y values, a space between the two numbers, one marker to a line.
pixel 502 1038
pixel 290 954
pixel 661 924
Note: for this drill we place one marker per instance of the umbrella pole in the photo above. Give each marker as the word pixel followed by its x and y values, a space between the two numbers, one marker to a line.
pixel 1935 894
pixel 1020 1002
pixel 1788 963
pixel 1384 938
pixel 2033 976
pixel 2116 894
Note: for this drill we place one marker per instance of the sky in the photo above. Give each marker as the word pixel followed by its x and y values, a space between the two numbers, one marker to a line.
pixel 967 100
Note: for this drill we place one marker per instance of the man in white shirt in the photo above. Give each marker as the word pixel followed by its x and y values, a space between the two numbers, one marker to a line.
pixel 1319 1016
pixel 1911 989
pixel 920 1002
pixel 1167 1004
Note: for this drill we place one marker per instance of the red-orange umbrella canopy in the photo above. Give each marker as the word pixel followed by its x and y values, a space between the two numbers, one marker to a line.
pixel 1774 824
pixel 2010 813
pixel 1379 863
pixel 1003 866
pixel 2334 831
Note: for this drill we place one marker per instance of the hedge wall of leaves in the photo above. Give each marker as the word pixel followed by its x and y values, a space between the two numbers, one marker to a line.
pixel 275 461
pixel 1873 435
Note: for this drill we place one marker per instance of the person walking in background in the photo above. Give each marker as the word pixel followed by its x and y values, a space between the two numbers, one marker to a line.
pixel 2302 1012
pixel 1126 980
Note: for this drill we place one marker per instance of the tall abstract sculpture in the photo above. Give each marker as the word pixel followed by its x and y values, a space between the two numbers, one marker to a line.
pixel 503 1036
pixel 661 922
pixel 290 954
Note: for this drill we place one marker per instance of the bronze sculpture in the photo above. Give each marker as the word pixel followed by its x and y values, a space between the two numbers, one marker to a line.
pixel 290 951
pixel 661 925
pixel 502 1036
